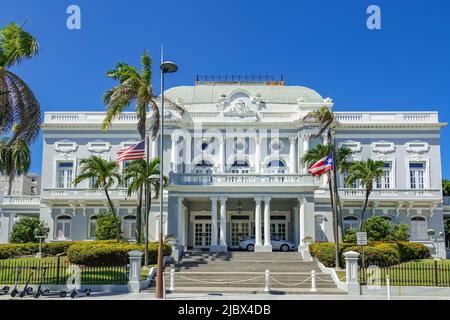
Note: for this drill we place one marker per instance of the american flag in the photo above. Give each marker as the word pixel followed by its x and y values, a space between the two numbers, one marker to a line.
pixel 323 165
pixel 132 153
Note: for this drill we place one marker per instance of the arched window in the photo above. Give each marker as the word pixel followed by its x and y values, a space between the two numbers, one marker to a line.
pixel 419 228
pixel 240 166
pixel 388 219
pixel 350 222
pixel 204 166
pixel 63 226
pixel 129 227
pixel 320 228
pixel 276 166
pixel 92 226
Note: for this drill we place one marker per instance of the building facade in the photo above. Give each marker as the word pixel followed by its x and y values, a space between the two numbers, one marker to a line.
pixel 233 162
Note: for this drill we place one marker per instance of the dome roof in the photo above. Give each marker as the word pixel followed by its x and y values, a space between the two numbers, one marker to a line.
pixel 211 93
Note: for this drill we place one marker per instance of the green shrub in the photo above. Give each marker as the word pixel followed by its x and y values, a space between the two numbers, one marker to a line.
pixel 412 250
pixel 378 229
pixel 23 230
pixel 382 253
pixel 400 232
pixel 8 251
pixel 110 253
pixel 106 226
pixel 350 236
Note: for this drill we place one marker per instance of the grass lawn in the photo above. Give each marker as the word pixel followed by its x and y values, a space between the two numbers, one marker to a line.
pixel 418 273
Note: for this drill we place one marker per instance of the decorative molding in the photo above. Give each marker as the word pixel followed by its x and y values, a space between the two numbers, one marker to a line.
pixel 355 146
pixel 417 147
pixel 65 146
pixel 98 146
pixel 383 147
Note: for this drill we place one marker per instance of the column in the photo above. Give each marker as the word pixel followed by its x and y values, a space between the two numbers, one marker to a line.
pixel 257 155
pixel 154 153
pixel 213 246
pixel 174 153
pixel 134 276
pixel 305 138
pixel 301 221
pixel 292 155
pixel 267 238
pixel 180 225
pixel 223 225
pixel 351 272
pixel 221 154
pixel 258 242
pixel 187 153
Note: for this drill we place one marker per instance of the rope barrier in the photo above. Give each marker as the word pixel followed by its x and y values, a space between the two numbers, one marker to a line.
pixel 290 285
pixel 219 281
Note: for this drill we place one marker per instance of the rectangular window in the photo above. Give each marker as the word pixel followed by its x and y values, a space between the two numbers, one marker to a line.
pixel 64 175
pixel 384 182
pixel 417 175
pixel 127 182
pixel 354 185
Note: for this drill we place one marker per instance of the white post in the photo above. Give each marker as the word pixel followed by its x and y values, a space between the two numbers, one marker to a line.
pixel 223 224
pixel 187 154
pixel 267 278
pixel 351 271
pixel 301 221
pixel 174 153
pixel 267 238
pixel 135 271
pixel 258 240
pixel 313 281
pixel 388 287
pixel 257 155
pixel 172 280
pixel 292 155
pixel 213 246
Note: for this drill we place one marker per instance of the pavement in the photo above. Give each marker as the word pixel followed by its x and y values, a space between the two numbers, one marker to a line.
pixel 226 296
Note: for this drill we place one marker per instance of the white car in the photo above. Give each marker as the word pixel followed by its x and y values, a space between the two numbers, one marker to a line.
pixel 277 244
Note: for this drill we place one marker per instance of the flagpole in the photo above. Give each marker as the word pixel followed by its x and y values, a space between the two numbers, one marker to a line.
pixel 147 193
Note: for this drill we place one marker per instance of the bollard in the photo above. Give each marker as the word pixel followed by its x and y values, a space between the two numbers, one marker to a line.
pixel 134 277
pixel 388 287
pixel 172 280
pixel 267 276
pixel 313 281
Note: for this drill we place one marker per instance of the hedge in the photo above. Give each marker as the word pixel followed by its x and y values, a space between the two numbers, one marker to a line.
pixel 8 251
pixel 376 252
pixel 110 253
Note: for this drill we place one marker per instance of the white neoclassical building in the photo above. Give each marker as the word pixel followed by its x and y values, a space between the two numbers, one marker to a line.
pixel 232 159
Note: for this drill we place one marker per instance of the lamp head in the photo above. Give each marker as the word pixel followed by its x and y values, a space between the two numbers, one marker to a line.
pixel 168 67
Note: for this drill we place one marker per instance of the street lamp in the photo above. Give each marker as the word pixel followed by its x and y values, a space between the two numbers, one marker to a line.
pixel 166 67
pixel 431 234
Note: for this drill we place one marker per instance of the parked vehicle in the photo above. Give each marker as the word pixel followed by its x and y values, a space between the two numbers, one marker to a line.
pixel 277 244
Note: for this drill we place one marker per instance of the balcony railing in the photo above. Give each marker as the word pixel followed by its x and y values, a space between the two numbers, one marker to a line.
pixel 240 179
pixel 86 194
pixel 387 117
pixel 385 194
pixel 20 200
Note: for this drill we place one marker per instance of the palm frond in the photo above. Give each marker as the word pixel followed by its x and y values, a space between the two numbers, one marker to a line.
pixel 17 45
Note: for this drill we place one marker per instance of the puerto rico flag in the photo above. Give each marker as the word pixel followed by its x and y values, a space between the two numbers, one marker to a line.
pixel 323 165
pixel 132 153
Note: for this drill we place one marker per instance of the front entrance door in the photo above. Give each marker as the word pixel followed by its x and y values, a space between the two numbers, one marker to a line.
pixel 202 234
pixel 278 229
pixel 239 231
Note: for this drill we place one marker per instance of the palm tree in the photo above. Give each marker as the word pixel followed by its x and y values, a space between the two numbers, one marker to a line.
pixel 147 176
pixel 104 174
pixel 366 173
pixel 15 159
pixel 134 87
pixel 18 105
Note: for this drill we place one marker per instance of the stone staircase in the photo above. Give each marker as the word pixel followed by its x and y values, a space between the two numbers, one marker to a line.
pixel 244 272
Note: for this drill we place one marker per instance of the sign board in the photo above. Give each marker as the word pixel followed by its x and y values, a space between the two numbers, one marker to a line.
pixel 361 238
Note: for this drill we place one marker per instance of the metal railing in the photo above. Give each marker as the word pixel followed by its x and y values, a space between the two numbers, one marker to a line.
pixel 239 78
pixel 59 272
pixel 433 273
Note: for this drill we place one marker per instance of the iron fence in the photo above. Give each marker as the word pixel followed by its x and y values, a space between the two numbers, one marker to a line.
pixel 429 273
pixel 59 272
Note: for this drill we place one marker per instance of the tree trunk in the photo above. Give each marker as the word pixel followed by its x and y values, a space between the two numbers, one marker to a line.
pixel 114 212
pixel 138 231
pixel 335 196
pixel 148 207
pixel 366 201
pixel 10 182
pixel 335 221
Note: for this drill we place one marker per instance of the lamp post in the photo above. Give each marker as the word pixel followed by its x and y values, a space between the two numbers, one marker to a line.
pixel 40 234
pixel 166 67
pixel 431 234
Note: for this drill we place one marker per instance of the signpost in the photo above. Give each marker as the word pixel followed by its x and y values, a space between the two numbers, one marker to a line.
pixel 361 240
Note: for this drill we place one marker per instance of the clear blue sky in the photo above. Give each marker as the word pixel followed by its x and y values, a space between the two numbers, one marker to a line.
pixel 324 45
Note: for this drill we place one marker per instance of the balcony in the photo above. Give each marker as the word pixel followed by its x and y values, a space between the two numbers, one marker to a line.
pixel 85 194
pixel 20 201
pixel 392 194
pixel 243 181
